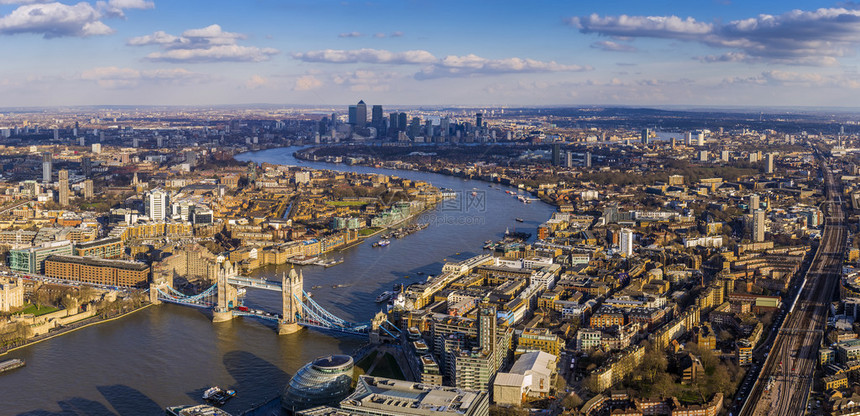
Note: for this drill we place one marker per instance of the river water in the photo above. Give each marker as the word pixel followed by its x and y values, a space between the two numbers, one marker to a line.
pixel 167 355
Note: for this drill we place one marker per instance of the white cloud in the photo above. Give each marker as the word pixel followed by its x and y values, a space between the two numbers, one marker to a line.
pixel 158 38
pixel 208 44
pixel 450 66
pixel 233 53
pixel 54 19
pixel 473 65
pixel 366 81
pixel 115 77
pixel 115 8
pixel 781 78
pixel 610 46
pixel 212 35
pixel 4 2
pixel 373 56
pixel 256 82
pixel 351 35
pixel 307 82
pixel 798 37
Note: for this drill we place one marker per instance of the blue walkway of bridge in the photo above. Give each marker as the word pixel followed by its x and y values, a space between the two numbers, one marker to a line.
pixel 313 316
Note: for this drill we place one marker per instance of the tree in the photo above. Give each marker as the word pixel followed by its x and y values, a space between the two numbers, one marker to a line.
pixel 572 401
pixel 653 362
pixel 663 385
pixel 69 303
pixel 560 384
pixel 41 297
pixel 591 383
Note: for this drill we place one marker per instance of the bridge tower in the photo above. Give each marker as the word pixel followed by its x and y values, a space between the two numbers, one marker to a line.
pixel 159 280
pixel 227 295
pixel 292 293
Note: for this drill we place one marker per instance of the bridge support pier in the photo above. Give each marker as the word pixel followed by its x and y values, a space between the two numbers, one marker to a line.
pixel 286 328
pixel 222 316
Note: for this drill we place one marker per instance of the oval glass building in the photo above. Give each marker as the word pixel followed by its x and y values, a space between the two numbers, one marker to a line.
pixel 325 381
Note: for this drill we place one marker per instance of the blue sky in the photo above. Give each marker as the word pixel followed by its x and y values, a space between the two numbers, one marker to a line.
pixel 694 52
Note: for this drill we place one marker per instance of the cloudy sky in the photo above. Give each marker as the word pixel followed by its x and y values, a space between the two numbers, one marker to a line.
pixel 463 52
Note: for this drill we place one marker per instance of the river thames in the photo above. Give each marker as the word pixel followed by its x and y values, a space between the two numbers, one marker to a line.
pixel 168 355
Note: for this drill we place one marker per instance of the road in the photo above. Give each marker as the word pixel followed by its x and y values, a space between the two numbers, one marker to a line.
pixel 783 385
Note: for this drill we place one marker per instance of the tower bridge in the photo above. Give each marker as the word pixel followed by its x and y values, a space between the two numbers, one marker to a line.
pixel 298 310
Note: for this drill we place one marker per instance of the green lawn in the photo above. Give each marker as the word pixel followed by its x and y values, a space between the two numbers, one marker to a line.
pixel 346 203
pixel 33 309
pixel 364 232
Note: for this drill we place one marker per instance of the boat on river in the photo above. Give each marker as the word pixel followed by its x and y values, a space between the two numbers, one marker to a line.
pixel 195 410
pixel 216 395
pixel 382 243
pixel 384 296
pixel 12 364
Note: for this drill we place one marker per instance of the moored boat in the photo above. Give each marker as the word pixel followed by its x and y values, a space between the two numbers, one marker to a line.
pixel 384 296
pixel 218 396
pixel 12 364
pixel 195 410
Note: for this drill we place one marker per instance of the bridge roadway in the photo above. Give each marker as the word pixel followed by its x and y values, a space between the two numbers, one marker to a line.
pixel 784 383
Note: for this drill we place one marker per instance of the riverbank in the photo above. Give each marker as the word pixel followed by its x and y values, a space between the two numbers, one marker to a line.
pixel 83 323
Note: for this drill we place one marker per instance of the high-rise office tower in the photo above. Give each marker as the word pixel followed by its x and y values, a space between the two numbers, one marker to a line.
pixel 428 129
pixel 444 126
pixel 556 154
pixel 700 139
pixel 758 226
pixel 63 175
pixel 47 165
pixel 402 122
pixel 568 159
pixel 376 117
pixel 415 128
pixel 626 242
pixel 479 121
pixel 361 114
pixel 645 136
pixel 157 204
pixel 770 160
pixel 688 138
pixel 588 159
pixel 393 125
pixel 352 118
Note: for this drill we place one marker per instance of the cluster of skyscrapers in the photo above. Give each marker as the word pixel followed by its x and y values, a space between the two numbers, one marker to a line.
pixel 399 126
